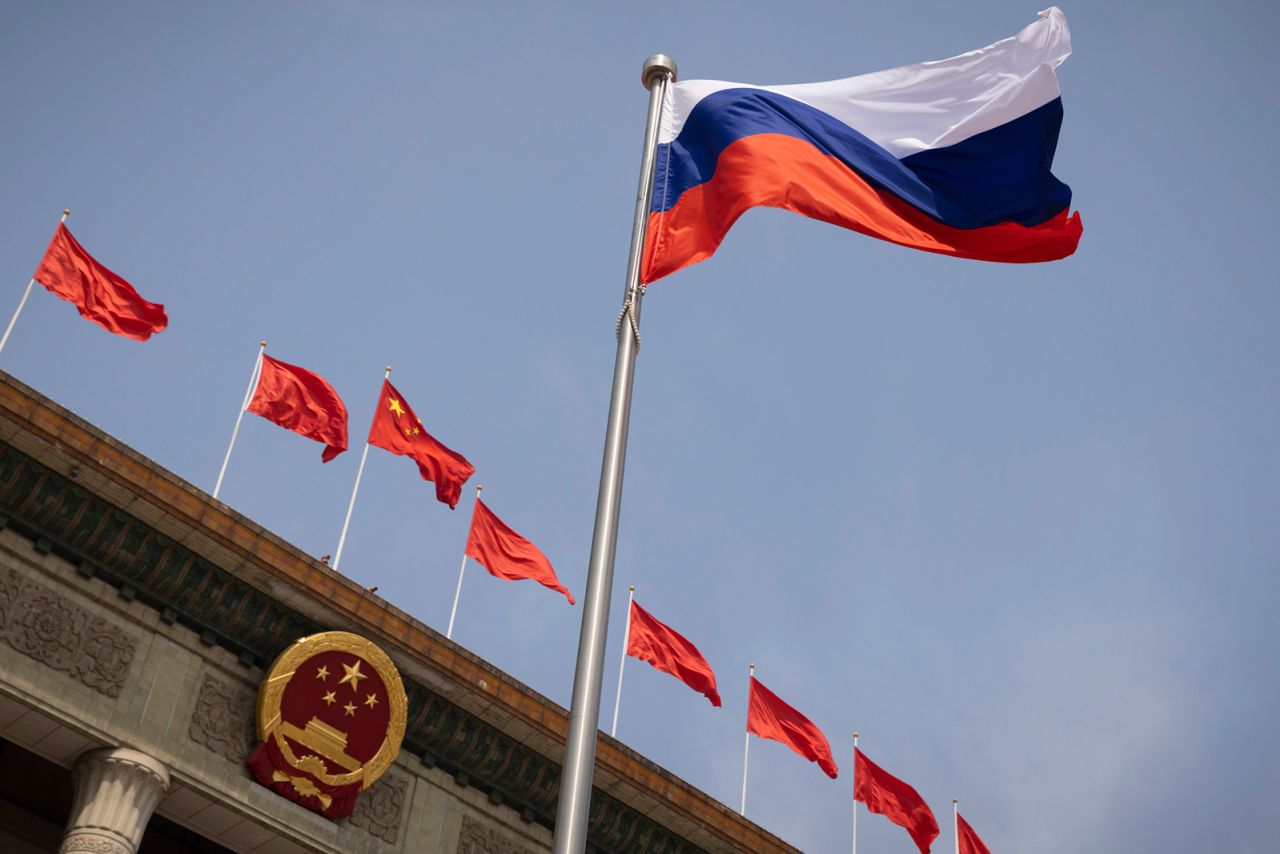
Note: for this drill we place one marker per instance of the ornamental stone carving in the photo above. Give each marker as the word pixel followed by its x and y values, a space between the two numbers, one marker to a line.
pixel 117 790
pixel 60 634
pixel 477 838
pixel 222 719
pixel 379 809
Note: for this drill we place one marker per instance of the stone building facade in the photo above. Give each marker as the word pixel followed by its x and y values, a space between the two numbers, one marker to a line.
pixel 137 615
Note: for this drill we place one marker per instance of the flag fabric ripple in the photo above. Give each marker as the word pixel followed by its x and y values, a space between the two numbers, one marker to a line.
pixel 967 842
pixel 506 554
pixel 72 274
pixel 951 156
pixel 885 794
pixel 666 649
pixel 769 717
pixel 301 401
pixel 396 428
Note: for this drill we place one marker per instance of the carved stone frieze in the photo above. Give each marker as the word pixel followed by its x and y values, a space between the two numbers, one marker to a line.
pixel 60 634
pixel 222 719
pixel 380 809
pixel 478 838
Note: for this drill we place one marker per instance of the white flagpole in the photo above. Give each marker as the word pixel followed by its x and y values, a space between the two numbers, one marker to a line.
pixel 574 806
pixel 351 505
pixel 955 825
pixel 626 639
pixel 66 212
pixel 855 793
pixel 248 395
pixel 457 594
pixel 746 748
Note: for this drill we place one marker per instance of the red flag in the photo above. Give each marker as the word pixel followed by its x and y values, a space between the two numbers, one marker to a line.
pixel 885 794
pixel 70 273
pixel 667 650
pixel 397 429
pixel 769 717
pixel 303 402
pixel 506 554
pixel 967 842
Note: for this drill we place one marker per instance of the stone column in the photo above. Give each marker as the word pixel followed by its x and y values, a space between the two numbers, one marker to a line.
pixel 116 792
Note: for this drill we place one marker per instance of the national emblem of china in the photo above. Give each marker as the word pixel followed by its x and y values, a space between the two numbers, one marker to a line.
pixel 331 715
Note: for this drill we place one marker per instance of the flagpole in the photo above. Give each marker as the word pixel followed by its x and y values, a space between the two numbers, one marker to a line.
pixel 855 793
pixel 457 594
pixel 584 711
pixel 254 374
pixel 746 748
pixel 626 639
pixel 955 823
pixel 351 505
pixel 66 212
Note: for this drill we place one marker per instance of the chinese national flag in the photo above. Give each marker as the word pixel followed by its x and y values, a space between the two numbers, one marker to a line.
pixel 303 402
pixel 506 554
pixel 885 794
pixel 967 841
pixel 769 717
pixel 70 273
pixel 397 429
pixel 667 650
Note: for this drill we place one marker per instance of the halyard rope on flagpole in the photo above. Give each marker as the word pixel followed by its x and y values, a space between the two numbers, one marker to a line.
pixel 746 747
pixel 457 594
pixel 631 300
pixel 574 806
pixel 66 212
pixel 235 431
pixel 351 505
pixel 626 639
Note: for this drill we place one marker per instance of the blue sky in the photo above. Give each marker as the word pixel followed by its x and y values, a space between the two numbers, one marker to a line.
pixel 1015 524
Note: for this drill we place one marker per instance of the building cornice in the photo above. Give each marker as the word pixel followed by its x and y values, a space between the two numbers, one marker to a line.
pixel 118 515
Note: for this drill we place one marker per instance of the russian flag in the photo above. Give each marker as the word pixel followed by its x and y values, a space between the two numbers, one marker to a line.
pixel 951 156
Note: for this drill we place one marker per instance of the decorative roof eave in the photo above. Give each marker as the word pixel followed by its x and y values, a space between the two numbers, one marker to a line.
pixel 118 514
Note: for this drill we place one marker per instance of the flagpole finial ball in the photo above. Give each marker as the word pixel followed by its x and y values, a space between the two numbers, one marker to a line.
pixel 633 588
pixel 955 800
pixel 855 733
pixel 658 65
pixel 262 343
pixel 66 211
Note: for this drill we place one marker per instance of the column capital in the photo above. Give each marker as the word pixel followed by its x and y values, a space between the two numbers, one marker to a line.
pixel 117 790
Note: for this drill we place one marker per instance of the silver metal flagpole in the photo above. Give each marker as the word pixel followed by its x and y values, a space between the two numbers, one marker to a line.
pixel 235 431
pixel 584 711
pixel 66 212
pixel 457 594
pixel 855 793
pixel 955 823
pixel 626 639
pixel 351 505
pixel 746 748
